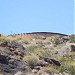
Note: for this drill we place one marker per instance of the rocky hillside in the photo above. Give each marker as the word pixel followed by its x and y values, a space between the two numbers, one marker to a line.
pixel 37 34
pixel 40 53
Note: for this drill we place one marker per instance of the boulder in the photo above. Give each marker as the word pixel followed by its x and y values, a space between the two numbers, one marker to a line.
pixel 52 61
pixel 73 48
pixel 3 60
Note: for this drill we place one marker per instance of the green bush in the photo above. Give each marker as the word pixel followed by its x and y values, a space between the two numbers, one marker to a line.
pixel 26 41
pixel 56 41
pixel 68 65
pixel 38 51
pixel 2 39
pixel 32 48
pixel 31 60
pixel 68 69
pixel 72 38
pixel 41 52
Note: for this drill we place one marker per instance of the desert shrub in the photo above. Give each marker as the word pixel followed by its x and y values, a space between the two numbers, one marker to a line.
pixel 67 64
pixel 19 38
pixel 68 69
pixel 12 38
pixel 2 39
pixel 70 55
pixel 46 42
pixel 59 58
pixel 31 60
pixel 52 69
pixel 26 41
pixel 32 48
pixel 41 52
pixel 72 38
pixel 38 51
pixel 56 41
pixel 72 70
pixel 40 37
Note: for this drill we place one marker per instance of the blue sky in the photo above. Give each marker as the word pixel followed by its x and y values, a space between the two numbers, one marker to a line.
pixel 22 16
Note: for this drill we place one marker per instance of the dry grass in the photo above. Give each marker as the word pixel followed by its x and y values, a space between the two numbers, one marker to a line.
pixel 31 59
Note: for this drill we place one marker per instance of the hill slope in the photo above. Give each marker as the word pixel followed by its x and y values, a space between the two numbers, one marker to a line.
pixel 38 53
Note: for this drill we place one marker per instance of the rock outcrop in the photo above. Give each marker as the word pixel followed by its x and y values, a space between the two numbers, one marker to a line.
pixel 52 61
pixel 11 54
pixel 73 48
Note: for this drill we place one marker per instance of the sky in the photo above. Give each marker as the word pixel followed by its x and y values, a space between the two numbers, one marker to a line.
pixel 74 16
pixel 24 16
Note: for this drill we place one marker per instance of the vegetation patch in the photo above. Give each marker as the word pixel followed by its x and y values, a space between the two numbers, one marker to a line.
pixel 72 38
pixel 31 60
